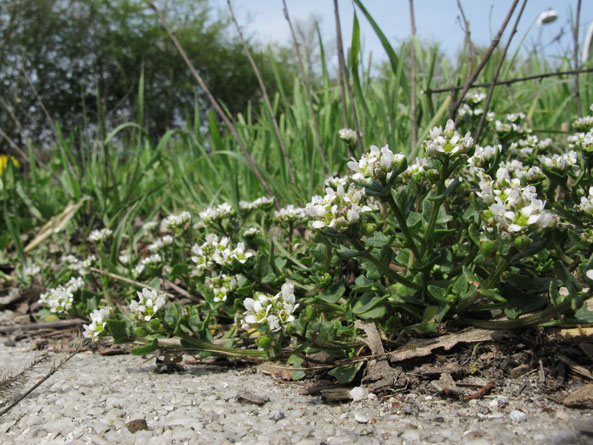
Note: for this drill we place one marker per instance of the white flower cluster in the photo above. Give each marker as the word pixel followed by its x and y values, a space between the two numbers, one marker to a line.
pixel 260 203
pixel 153 260
pixel 81 267
pixel 274 311
pixel 378 164
pixel 469 105
pixel 581 141
pixel 100 235
pixel 347 135
pixel 148 304
pixel 513 125
pixel 338 209
pixel 513 209
pixel 218 213
pixel 124 258
pixel 483 155
pixel 97 326
pixel 31 271
pixel 583 124
pixel 524 148
pixel 290 213
pixel 335 181
pixel 250 232
pixel 415 170
pixel 586 204
pixel 175 222
pixel 215 251
pixel 149 226
pixel 515 169
pixel 447 141
pixel 60 299
pixel 160 243
pixel 221 284
pixel 561 162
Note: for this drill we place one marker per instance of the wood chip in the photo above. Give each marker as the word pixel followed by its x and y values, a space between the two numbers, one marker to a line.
pixel 446 385
pixel 248 396
pixel 423 347
pixel 582 398
pixel 334 395
pixel 136 425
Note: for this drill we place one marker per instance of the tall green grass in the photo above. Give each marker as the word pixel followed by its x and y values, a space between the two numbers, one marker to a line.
pixel 125 174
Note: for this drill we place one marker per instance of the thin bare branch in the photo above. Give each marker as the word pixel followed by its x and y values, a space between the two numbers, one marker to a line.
pixel 575 56
pixel 468 39
pixel 509 81
pixel 13 145
pixel 474 76
pixel 264 92
pixel 215 105
pixel 497 72
pixel 414 136
pixel 42 325
pixel 39 101
pixel 307 88
pixel 344 77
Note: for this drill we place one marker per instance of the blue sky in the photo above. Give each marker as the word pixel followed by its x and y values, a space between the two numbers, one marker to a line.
pixel 436 20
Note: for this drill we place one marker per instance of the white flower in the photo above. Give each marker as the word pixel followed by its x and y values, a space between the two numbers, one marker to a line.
pixel 160 243
pixel 447 142
pixel 152 260
pixel 98 321
pixel 148 304
pixel 175 222
pixel 260 203
pixel 348 135
pixel 290 213
pixel 124 258
pixel 100 235
pixel 216 214
pixel 275 311
pixel 250 232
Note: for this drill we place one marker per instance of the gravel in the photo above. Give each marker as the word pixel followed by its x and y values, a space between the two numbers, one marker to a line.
pixel 98 399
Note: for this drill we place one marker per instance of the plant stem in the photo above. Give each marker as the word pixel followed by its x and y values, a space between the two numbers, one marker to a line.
pixel 403 225
pixel 435 211
pixel 385 268
pixel 500 268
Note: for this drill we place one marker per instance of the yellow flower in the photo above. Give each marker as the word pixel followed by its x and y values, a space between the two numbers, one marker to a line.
pixel 4 162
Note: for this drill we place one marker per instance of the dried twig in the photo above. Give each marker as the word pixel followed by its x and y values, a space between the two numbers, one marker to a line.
pixel 344 77
pixel 307 88
pixel 414 135
pixel 39 101
pixel 575 56
pixel 497 72
pixel 215 105
pixel 47 325
pixel 509 81
pixel 455 105
pixel 482 392
pixel 264 92
pixel 468 39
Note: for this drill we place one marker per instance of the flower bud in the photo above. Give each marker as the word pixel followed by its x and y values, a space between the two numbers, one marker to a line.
pixel 522 243
pixel 488 248
pixel 368 229
pixel 264 342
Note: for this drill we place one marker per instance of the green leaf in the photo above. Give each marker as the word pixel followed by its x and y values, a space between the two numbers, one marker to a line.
pixel 378 240
pixel 345 253
pixel 119 331
pixel 146 349
pixel 297 362
pixel 336 293
pixel 346 373
pixel 439 293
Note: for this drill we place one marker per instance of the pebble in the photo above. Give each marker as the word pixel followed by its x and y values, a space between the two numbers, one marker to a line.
pixel 359 393
pixel 518 416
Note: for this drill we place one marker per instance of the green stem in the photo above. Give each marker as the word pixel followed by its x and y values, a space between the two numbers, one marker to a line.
pixel 209 347
pixel 532 320
pixel 403 225
pixel 428 236
pixel 385 268
pixel 500 268
pixel 104 280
